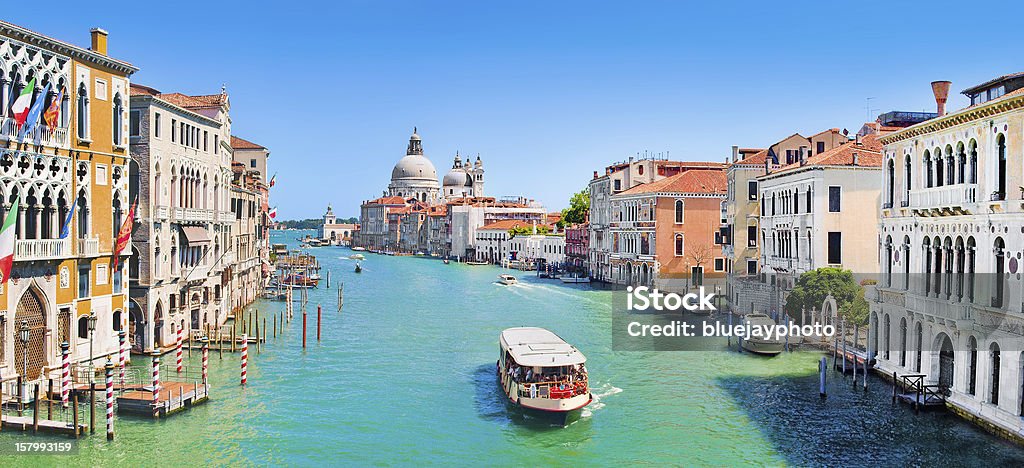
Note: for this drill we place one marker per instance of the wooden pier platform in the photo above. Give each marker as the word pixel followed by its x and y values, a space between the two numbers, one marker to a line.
pixel 174 397
pixel 25 423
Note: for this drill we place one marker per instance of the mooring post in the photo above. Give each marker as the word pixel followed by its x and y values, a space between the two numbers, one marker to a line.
pixel 206 355
pixel 318 315
pixel 74 413
pixel 49 401
pixel 275 326
pixel 729 338
pixel 92 407
pixel 259 347
pixel 156 384
pixel 110 398
pixel 122 360
pixel 894 383
pixel 245 359
pixel 35 410
pixel 65 373
pixel 232 339
pixel 303 328
pixel 822 364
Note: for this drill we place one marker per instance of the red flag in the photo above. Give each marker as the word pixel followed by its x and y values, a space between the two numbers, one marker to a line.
pixel 125 234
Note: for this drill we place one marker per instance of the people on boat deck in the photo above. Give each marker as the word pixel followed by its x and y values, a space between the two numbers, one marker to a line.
pixel 571 374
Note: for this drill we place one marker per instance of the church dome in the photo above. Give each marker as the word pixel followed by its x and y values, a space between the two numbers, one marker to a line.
pixel 414 166
pixel 455 178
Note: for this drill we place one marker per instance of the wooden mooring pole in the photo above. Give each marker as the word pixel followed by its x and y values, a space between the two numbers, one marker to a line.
pixel 303 328
pixel 74 412
pixel 35 410
pixel 318 316
pixel 822 365
pixel 92 406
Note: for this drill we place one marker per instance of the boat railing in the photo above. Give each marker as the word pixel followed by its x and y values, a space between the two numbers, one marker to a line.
pixel 555 390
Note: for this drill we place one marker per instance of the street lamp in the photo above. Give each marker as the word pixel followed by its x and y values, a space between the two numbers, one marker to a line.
pixel 92 332
pixel 24 334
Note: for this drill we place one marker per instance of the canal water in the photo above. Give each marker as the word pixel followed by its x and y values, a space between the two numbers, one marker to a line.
pixel 404 375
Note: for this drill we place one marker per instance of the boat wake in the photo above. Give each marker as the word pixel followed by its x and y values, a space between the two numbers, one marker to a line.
pixel 599 394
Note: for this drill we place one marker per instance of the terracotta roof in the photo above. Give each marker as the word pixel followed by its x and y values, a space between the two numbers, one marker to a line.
pixel 692 181
pixel 386 201
pixel 988 83
pixel 205 101
pixel 504 225
pixel 868 151
pixel 438 210
pixel 756 158
pixel 240 143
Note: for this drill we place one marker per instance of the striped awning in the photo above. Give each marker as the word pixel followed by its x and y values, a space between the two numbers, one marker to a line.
pixel 196 235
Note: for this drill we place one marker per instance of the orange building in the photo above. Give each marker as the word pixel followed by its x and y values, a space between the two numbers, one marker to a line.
pixel 663 232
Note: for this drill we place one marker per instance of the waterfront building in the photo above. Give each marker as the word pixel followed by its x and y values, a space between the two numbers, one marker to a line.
pixel 77 157
pixel 663 232
pixel 464 180
pixel 438 231
pixel 617 178
pixel 249 258
pixel 255 158
pixel 337 233
pixel 745 287
pixel 181 244
pixel 466 215
pixel 492 244
pixel 577 248
pixel 949 299
pixel 373 221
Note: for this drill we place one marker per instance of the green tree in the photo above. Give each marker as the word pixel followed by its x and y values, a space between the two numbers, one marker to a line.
pixel 814 286
pixel 579 208
pixel 528 230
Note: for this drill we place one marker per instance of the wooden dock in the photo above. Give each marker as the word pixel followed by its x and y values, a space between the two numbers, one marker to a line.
pixel 174 397
pixel 27 423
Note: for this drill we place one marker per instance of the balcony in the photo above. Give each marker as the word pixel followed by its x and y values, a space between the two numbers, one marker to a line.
pixel 226 216
pixel 40 135
pixel 88 247
pixel 944 309
pixel 951 199
pixel 42 249
pixel 162 212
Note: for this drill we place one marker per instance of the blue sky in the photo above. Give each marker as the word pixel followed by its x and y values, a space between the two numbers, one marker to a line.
pixel 546 92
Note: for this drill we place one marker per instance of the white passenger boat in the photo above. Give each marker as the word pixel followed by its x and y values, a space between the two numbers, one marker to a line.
pixel 759 345
pixel 541 373
pixel 359 249
pixel 507 280
pixel 357 257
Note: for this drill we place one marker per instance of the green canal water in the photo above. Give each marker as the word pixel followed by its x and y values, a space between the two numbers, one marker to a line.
pixel 404 375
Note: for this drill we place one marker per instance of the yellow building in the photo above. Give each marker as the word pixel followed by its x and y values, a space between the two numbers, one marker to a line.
pixel 82 161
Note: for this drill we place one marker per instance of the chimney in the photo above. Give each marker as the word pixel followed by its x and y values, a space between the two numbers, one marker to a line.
pixel 99 40
pixel 595 174
pixel 941 91
pixel 856 159
pixel 735 153
pixel 803 155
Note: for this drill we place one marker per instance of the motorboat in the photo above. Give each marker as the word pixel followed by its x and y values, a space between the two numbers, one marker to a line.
pixel 507 280
pixel 446 261
pixel 357 257
pixel 358 249
pixel 762 345
pixel 359 268
pixel 541 373
pixel 476 263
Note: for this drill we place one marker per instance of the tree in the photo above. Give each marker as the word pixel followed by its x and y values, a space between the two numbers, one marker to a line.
pixel 527 230
pixel 814 286
pixel 578 210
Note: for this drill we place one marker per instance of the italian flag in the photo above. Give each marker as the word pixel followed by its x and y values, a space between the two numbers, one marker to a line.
pixel 7 243
pixel 22 104
pixel 273 213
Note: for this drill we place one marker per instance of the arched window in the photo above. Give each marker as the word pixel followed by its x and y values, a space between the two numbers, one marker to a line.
pixel 886 329
pixel 993 352
pixel 972 366
pixel 888 261
pixel 927 169
pixel 906 263
pixel 1000 193
pixel 1000 269
pixel 961 159
pixel 679 212
pixel 937 156
pixel 927 247
pixel 890 179
pixel 950 166
pixel 971 254
pixel 82 111
pixel 903 342
pixel 118 120
pixel 974 163
pixel 116 206
pixel 919 346
pixel 907 171
pixel 679 245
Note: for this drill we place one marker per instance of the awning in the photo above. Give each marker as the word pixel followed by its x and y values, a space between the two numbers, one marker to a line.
pixel 196 235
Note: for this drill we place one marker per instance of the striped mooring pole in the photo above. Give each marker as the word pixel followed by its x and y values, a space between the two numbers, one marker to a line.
pixel 178 355
pixel 156 384
pixel 206 357
pixel 110 398
pixel 65 373
pixel 121 359
pixel 245 357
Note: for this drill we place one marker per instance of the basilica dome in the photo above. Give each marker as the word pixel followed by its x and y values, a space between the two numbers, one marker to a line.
pixel 414 166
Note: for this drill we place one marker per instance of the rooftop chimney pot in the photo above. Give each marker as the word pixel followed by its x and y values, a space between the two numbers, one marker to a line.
pixel 941 91
pixel 735 153
pixel 98 41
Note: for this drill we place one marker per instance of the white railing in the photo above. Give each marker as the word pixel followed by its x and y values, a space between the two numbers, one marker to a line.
pixel 198 214
pixel 162 212
pixel 944 197
pixel 89 247
pixel 42 249
pixel 226 216
pixel 939 307
pixel 40 134
pixel 179 213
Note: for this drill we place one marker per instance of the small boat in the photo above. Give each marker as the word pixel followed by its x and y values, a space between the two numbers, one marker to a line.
pixel 507 280
pixel 359 249
pixel 541 373
pixel 420 254
pixel 761 345
pixel 575 279
pixel 476 263
pixel 359 268
pixel 446 261
pixel 297 281
pixel 357 257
